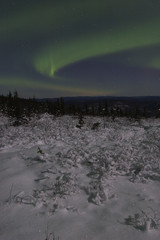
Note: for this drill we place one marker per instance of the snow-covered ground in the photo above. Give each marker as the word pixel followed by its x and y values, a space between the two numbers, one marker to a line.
pixel 80 183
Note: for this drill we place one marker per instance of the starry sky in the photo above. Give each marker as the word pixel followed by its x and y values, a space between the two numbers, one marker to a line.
pixel 54 48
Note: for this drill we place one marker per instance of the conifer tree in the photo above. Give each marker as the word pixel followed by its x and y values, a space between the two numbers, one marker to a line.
pixel 92 110
pixel 137 113
pixel 99 109
pixel 106 113
pixel 62 106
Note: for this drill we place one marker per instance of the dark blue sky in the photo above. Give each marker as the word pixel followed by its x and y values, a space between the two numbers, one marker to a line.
pixel 80 48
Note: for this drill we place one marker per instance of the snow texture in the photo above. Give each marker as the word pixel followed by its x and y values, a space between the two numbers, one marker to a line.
pixel 61 181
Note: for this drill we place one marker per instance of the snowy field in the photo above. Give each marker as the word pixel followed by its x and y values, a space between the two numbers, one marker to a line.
pixel 80 184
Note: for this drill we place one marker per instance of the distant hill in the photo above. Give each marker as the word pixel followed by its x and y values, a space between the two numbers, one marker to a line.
pixel 82 99
pixel 151 104
pixel 111 100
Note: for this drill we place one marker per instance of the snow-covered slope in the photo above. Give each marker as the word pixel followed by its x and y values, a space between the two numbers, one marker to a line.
pixel 80 183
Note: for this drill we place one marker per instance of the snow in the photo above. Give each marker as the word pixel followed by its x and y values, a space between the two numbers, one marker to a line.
pixel 80 183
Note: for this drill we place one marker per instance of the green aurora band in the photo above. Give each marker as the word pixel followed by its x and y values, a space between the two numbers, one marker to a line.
pixel 52 58
pixel 124 29
pixel 81 30
pixel 32 84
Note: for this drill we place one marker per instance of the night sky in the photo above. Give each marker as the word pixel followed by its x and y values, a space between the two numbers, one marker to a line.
pixel 54 48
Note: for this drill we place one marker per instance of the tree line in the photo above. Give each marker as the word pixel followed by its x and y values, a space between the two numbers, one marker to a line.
pixel 21 110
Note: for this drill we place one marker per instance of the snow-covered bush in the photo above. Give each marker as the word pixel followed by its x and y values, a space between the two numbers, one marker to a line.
pixel 144 221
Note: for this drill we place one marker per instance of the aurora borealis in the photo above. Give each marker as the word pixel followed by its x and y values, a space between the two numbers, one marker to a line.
pixel 80 48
